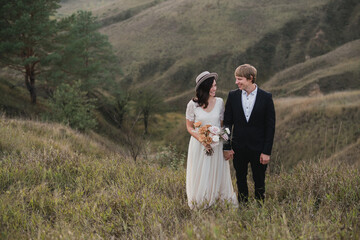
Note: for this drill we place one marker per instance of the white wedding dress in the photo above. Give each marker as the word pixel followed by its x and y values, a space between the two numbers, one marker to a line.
pixel 207 177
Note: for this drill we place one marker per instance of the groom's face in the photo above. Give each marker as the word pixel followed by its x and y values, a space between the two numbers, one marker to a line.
pixel 242 82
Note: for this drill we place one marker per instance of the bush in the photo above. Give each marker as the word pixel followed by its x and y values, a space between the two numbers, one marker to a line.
pixel 169 156
pixel 71 106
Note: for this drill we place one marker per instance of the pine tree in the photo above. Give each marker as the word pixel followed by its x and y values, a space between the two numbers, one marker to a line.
pixel 26 33
pixel 83 54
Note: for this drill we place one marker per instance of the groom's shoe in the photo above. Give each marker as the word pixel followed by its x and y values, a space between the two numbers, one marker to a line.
pixel 243 201
pixel 260 193
pixel 244 205
pixel 242 198
pixel 260 202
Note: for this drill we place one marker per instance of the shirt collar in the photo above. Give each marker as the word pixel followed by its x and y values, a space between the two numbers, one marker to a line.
pixel 252 93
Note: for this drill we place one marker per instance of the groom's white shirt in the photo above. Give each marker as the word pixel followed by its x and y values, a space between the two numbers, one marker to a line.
pixel 248 102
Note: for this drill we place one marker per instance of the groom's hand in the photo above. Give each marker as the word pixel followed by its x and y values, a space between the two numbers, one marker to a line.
pixel 228 154
pixel 264 159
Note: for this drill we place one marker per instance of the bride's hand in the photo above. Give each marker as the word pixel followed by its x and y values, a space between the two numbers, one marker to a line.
pixel 207 146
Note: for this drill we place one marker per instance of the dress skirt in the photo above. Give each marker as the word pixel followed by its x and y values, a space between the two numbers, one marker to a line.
pixel 208 178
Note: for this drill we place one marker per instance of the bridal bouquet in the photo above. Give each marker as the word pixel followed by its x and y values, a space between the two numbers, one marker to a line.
pixel 211 135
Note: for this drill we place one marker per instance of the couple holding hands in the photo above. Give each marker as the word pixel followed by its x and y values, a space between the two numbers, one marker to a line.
pixel 249 113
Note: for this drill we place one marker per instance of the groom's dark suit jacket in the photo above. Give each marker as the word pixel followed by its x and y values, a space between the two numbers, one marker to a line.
pixel 258 133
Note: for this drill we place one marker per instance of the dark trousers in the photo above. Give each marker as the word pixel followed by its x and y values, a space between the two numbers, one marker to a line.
pixel 242 157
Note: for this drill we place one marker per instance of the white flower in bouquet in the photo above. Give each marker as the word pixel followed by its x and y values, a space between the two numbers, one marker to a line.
pixel 227 130
pixel 214 130
pixel 215 138
pixel 225 137
pixel 211 135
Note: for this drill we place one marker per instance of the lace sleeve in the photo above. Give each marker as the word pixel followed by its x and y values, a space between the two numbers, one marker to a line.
pixel 190 111
pixel 222 110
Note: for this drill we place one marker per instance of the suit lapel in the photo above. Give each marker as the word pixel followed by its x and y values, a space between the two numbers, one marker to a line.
pixel 257 103
pixel 242 114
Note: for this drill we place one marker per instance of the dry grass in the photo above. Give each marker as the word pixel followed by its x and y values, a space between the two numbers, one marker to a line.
pixel 288 108
pixel 22 136
pixel 53 186
pixel 117 7
pixel 350 153
pixel 316 127
pixel 297 79
pixel 69 7
pixel 306 127
pixel 190 31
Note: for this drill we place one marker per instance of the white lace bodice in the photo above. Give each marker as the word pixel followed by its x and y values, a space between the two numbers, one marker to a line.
pixel 196 113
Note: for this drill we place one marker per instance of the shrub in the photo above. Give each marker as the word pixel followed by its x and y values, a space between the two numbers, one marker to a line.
pixel 71 106
pixel 169 156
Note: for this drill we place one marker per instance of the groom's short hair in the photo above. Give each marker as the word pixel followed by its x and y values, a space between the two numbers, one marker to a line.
pixel 247 71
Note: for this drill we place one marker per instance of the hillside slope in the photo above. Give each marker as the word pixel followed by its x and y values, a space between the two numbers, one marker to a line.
pixel 317 127
pixel 15 101
pixel 337 70
pixel 164 44
pixel 169 43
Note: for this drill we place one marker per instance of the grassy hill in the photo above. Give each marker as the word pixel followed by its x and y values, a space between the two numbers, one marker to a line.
pixel 317 127
pixel 184 29
pixel 169 43
pixel 165 44
pixel 56 183
pixel 337 70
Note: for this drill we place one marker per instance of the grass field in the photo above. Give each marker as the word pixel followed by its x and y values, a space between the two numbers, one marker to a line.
pixel 58 184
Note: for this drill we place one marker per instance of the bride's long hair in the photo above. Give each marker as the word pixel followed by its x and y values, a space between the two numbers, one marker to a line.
pixel 202 92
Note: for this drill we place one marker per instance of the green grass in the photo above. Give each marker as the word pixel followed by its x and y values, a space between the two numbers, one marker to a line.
pixel 59 184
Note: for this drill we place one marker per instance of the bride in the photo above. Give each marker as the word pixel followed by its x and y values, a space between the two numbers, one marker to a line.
pixel 207 177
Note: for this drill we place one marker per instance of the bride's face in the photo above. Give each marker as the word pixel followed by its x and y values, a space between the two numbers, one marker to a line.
pixel 213 89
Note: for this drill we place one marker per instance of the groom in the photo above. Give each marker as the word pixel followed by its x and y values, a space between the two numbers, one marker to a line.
pixel 250 111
